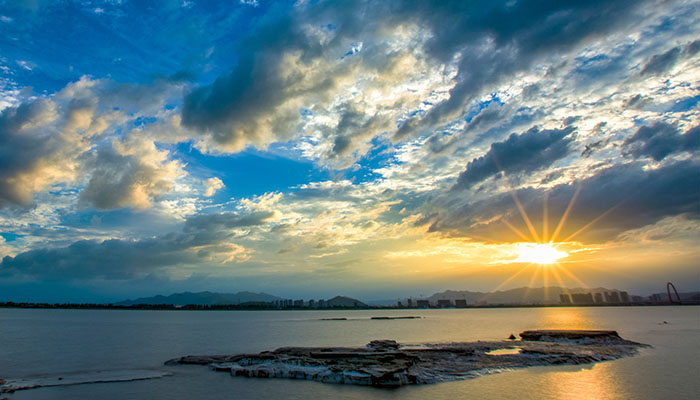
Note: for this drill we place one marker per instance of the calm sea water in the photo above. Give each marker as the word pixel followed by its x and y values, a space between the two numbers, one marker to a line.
pixel 54 342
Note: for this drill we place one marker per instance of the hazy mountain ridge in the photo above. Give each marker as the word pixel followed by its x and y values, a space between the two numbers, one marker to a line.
pixel 343 301
pixel 203 298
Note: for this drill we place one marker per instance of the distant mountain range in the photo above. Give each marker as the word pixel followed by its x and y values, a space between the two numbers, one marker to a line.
pixel 524 295
pixel 203 298
pixel 212 298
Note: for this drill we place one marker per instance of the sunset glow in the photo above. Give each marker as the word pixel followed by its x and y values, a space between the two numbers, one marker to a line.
pixel 537 253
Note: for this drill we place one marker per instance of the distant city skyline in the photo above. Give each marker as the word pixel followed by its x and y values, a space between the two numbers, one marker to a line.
pixel 368 148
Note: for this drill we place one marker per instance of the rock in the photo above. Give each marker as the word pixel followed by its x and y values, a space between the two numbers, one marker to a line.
pixel 383 345
pixel 387 363
pixel 511 337
pixel 552 334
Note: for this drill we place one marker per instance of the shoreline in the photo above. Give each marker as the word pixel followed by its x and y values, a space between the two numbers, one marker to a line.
pixel 242 307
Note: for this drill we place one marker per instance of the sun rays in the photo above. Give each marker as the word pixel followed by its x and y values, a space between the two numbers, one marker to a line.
pixel 541 254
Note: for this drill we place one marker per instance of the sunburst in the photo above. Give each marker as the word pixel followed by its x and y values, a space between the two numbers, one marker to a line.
pixel 540 253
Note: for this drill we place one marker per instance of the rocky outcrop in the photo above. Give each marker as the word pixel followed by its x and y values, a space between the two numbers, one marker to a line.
pixel 570 335
pixel 387 363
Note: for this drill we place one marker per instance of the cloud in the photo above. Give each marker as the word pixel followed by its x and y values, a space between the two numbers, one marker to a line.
pixel 660 64
pixel 661 139
pixel 258 101
pixel 226 221
pixel 529 151
pixel 46 141
pixel 302 73
pixel 211 185
pixel 130 173
pixel 204 240
pixel 39 143
pixel 492 43
pixel 612 201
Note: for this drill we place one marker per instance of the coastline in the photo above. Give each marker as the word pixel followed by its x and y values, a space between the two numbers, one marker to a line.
pixel 257 307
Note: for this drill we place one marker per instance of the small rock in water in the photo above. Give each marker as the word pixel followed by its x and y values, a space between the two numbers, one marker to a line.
pixel 383 345
pixel 511 337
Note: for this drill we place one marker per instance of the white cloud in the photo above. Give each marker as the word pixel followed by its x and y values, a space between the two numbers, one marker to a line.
pixel 211 185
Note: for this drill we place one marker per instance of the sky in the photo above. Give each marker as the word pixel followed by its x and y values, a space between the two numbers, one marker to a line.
pixel 374 149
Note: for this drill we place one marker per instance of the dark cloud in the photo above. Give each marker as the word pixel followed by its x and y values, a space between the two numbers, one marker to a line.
pixel 499 39
pixel 205 238
pixel 661 139
pixel 285 64
pixel 28 145
pixel 133 176
pixel 637 101
pixel 661 63
pixel 110 259
pixel 612 201
pixel 692 48
pixel 42 140
pixel 248 104
pixel 530 151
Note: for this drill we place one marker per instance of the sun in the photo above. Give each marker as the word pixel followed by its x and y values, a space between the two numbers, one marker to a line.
pixel 539 253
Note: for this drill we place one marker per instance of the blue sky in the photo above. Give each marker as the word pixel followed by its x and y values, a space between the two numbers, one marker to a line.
pixel 375 149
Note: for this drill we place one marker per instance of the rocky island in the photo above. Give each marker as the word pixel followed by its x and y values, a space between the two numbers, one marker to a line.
pixel 388 363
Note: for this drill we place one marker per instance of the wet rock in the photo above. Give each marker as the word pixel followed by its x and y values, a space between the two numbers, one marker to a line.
pixel 387 363
pixel 383 345
pixel 553 335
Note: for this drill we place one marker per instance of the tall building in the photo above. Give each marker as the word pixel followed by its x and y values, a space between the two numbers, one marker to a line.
pixel 598 298
pixel 444 303
pixel 625 297
pixel 564 298
pixel 461 303
pixel 582 298
pixel 422 303
pixel 612 297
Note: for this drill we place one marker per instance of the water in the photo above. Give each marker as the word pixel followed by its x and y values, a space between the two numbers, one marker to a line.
pixel 54 342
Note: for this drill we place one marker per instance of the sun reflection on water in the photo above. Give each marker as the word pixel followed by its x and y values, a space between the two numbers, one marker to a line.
pixel 587 383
